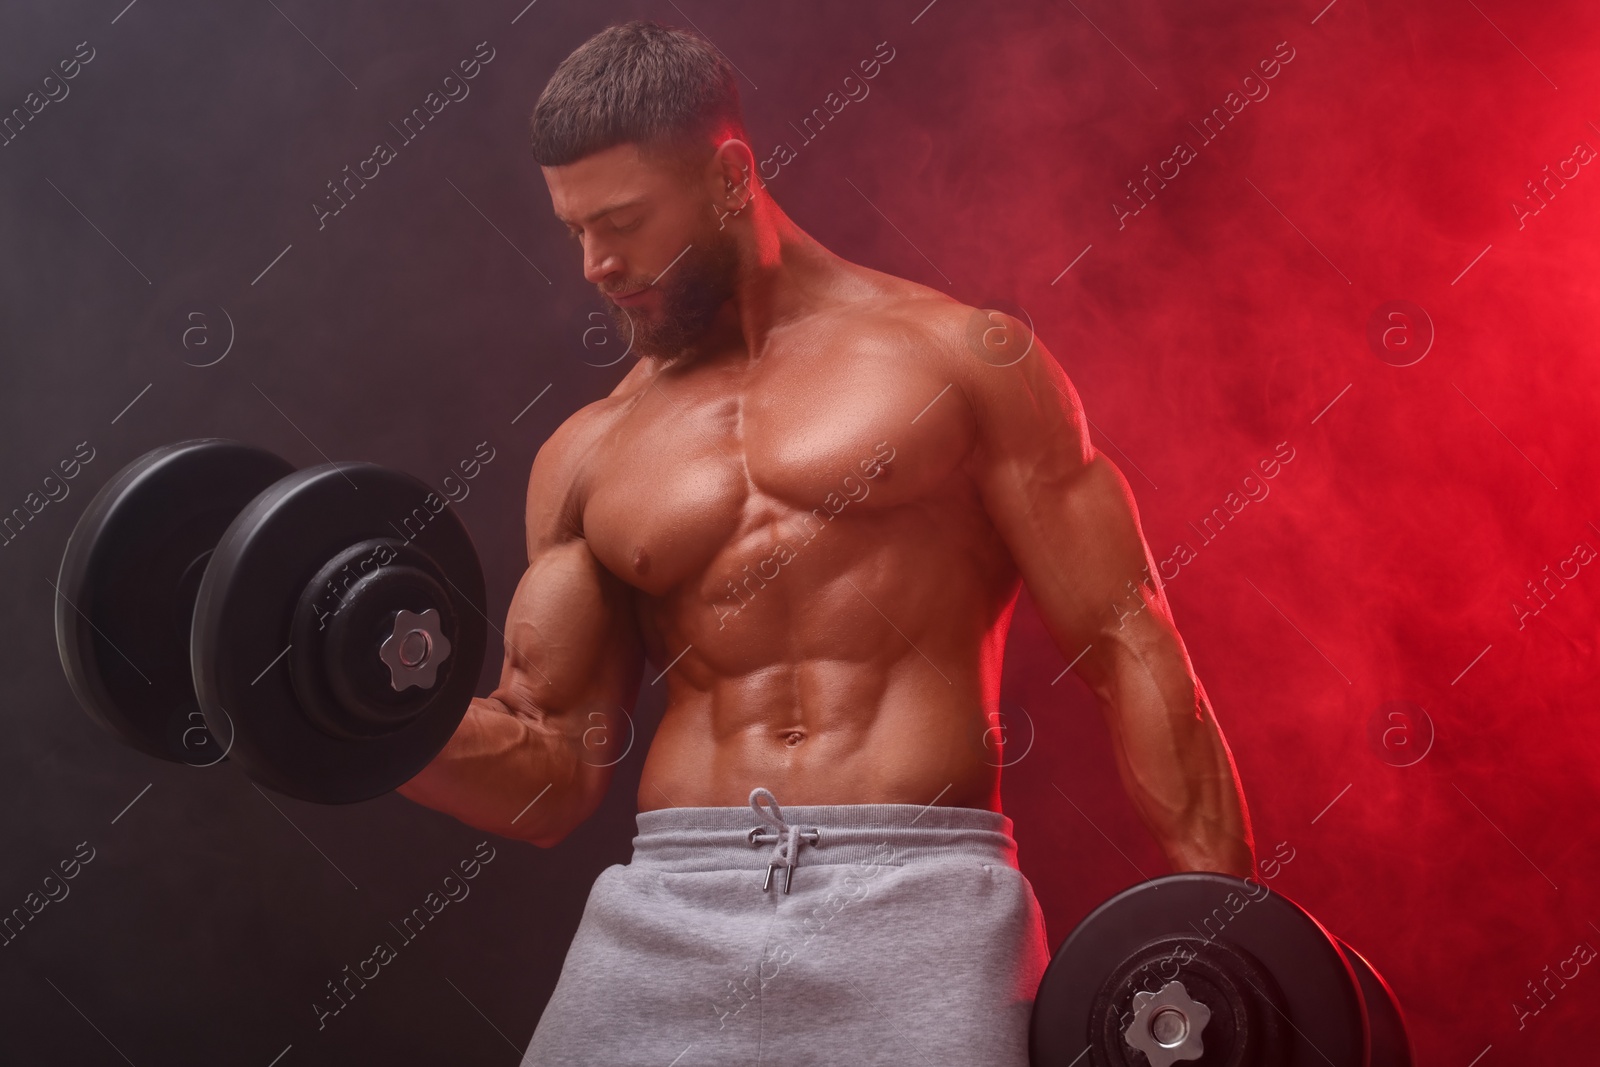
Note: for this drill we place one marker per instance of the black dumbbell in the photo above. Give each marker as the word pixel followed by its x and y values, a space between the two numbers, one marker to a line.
pixel 324 627
pixel 1207 968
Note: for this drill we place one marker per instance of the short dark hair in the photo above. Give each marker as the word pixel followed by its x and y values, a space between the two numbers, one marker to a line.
pixel 658 86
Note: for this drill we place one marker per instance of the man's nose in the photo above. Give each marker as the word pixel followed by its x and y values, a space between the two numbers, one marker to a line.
pixel 600 262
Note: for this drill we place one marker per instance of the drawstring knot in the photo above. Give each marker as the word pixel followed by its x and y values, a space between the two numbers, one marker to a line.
pixel 784 837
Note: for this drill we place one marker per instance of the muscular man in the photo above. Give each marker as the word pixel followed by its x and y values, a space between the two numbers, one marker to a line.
pixel 810 506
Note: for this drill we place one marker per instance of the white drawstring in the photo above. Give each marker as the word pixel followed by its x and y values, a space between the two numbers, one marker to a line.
pixel 785 838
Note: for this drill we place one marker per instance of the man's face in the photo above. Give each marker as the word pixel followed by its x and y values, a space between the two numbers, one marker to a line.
pixel 651 244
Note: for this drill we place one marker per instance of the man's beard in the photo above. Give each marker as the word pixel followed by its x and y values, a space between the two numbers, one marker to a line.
pixel 692 292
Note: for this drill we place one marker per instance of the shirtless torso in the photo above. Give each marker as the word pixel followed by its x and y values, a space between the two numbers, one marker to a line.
pixel 807 550
pixel 814 526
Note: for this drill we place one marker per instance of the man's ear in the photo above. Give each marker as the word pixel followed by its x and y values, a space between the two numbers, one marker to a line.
pixel 734 173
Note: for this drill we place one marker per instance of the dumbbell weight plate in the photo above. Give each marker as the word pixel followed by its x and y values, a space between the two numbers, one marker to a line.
pixel 125 591
pixel 1315 1002
pixel 1391 1045
pixel 316 723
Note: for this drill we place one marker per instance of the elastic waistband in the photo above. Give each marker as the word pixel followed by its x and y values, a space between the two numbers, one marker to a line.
pixel 732 838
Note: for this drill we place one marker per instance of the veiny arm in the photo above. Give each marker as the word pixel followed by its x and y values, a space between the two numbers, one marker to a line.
pixel 568 684
pixel 1070 522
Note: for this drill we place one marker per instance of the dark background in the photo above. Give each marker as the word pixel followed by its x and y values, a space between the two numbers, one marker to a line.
pixel 1229 315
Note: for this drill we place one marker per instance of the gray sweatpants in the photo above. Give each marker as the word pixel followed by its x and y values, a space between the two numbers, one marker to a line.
pixel 906 935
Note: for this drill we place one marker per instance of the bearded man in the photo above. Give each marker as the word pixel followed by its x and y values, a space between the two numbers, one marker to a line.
pixel 810 505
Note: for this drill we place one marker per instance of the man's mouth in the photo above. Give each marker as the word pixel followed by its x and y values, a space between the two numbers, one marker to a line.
pixel 630 298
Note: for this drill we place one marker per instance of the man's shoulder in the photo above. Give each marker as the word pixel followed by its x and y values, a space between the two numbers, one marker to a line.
pixel 582 430
pixel 961 339
pixel 991 357
pixel 882 309
pixel 562 467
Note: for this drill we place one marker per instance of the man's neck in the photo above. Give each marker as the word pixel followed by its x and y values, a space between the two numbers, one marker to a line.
pixel 782 276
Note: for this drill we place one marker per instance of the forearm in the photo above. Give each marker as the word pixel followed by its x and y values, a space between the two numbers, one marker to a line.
pixel 517 776
pixel 1176 766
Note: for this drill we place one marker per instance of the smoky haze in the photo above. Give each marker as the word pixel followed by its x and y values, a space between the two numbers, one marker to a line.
pixel 1339 341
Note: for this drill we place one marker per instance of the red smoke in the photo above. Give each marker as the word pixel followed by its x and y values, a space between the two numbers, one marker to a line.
pixel 1431 539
